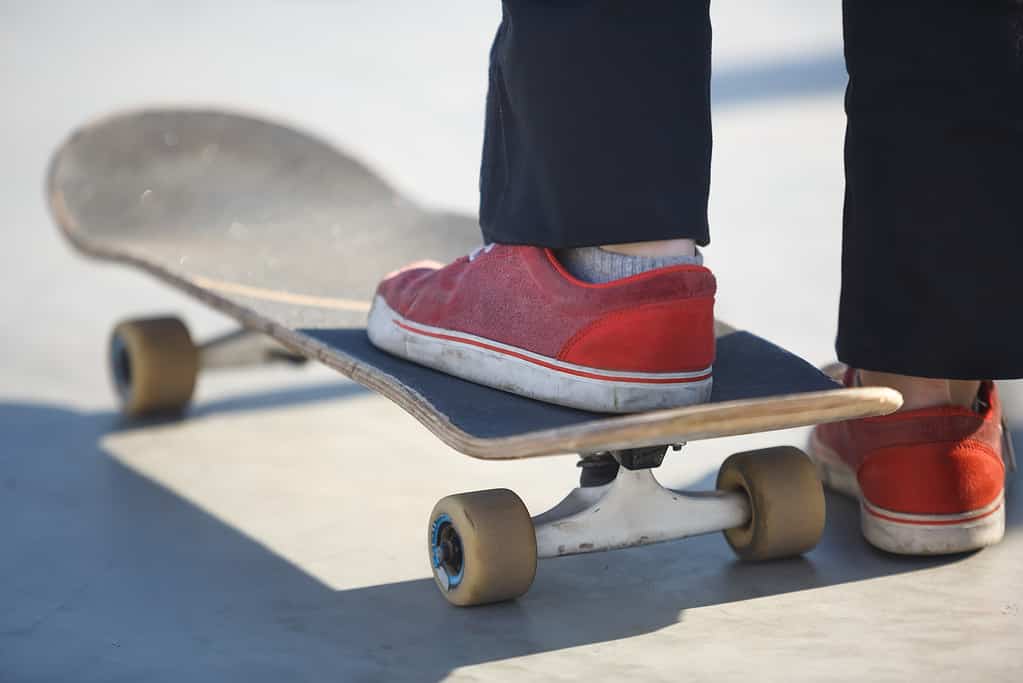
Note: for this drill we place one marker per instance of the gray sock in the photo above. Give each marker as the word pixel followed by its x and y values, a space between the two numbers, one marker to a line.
pixel 593 264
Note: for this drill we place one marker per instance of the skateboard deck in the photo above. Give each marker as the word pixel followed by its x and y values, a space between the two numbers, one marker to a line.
pixel 289 236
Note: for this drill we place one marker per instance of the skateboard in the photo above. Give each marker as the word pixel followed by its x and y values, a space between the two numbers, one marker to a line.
pixel 289 236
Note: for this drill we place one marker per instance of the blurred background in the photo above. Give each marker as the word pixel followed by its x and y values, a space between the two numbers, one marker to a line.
pixel 277 533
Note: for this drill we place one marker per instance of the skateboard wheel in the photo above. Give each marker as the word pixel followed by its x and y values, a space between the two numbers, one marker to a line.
pixel 482 547
pixel 154 365
pixel 786 501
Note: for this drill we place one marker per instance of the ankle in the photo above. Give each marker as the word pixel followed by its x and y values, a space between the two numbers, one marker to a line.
pixel 924 392
pixel 599 265
pixel 657 249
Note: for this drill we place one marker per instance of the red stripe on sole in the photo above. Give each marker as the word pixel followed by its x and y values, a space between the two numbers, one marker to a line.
pixel 939 522
pixel 549 366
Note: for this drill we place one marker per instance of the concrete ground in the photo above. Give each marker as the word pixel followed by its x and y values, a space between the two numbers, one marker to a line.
pixel 277 533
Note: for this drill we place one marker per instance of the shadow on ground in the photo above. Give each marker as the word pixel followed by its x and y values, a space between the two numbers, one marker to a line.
pixel 108 575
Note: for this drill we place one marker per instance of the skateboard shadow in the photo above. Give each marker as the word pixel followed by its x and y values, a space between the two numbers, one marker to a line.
pixel 108 574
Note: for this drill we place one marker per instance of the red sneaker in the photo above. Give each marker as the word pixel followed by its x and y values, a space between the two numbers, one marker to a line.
pixel 511 317
pixel 929 481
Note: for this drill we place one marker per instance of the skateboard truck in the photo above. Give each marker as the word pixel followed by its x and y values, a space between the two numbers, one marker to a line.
pixel 243 348
pixel 634 509
pixel 602 467
pixel 484 545
pixel 642 458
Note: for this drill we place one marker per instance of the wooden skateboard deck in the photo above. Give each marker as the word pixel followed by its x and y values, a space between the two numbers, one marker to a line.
pixel 290 236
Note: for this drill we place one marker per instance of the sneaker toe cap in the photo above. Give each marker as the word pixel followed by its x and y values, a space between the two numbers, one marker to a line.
pixel 399 287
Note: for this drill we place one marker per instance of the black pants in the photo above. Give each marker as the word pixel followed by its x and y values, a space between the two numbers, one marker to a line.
pixel 598 132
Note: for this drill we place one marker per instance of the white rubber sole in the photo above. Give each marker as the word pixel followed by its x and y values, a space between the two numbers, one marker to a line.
pixel 529 374
pixel 908 534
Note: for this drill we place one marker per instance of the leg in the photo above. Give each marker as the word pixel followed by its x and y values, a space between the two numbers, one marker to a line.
pixel 598 124
pixel 931 248
pixel 932 223
pixel 597 133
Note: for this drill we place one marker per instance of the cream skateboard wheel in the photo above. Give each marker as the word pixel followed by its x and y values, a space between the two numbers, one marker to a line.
pixel 482 547
pixel 154 364
pixel 786 502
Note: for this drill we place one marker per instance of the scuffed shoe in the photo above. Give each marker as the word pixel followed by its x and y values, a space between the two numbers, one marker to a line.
pixel 929 481
pixel 512 318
